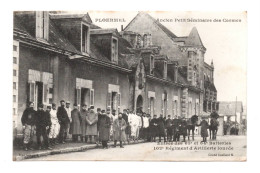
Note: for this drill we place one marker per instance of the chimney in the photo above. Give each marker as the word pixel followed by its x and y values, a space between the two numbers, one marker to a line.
pixel 122 28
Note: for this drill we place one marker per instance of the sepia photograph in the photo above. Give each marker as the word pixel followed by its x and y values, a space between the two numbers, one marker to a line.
pixel 129 86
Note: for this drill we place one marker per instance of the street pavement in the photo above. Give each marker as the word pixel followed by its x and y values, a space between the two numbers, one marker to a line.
pixel 225 148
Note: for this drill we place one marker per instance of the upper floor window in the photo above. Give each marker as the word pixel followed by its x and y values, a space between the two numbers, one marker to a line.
pixel 42 24
pixel 85 38
pixel 145 41
pixel 14 60
pixel 152 65
pixel 114 51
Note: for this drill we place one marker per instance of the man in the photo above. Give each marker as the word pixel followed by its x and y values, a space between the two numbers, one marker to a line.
pixel 148 132
pixel 134 123
pixel 43 123
pixel 128 128
pixel 75 128
pixel 92 119
pixel 169 128
pixel 145 126
pixel 161 127
pixel 119 126
pixel 55 126
pixel 28 122
pixel 68 109
pixel 63 120
pixel 140 126
pixel 83 115
pixel 99 116
pixel 154 128
pixel 104 129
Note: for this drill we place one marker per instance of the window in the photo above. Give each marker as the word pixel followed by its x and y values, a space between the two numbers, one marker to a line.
pixel 14 111
pixel 14 85
pixel 50 90
pixel 14 72
pixel 152 65
pixel 14 48
pixel 14 98
pixel 42 25
pixel 145 41
pixel 114 51
pixel 14 60
pixel 85 37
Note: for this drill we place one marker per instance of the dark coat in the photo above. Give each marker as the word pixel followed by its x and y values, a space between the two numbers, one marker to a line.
pixel 161 126
pixel 62 116
pixel 98 122
pixel 42 118
pixel 119 127
pixel 154 127
pixel 75 128
pixel 204 128
pixel 83 125
pixel 92 119
pixel 183 128
pixel 28 116
pixel 168 123
pixel 104 127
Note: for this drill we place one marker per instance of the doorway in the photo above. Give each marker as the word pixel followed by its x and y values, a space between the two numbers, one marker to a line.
pixel 85 96
pixel 139 104
pixel 38 94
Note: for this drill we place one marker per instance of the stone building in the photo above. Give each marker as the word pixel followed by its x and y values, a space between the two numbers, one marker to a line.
pixel 66 56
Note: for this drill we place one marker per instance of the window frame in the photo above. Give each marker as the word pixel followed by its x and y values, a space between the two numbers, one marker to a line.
pixel 87 41
pixel 114 59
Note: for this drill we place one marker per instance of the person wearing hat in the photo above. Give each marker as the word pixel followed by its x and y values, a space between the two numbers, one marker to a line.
pixel 154 128
pixel 55 126
pixel 119 126
pixel 161 128
pixel 68 109
pixel 104 129
pixel 75 128
pixel 83 125
pixel 169 128
pixel 42 121
pixel 63 120
pixel 128 128
pixel 28 122
pixel 92 119
pixel 204 129
pixel 99 115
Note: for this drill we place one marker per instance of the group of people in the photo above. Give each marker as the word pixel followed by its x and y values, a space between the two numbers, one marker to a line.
pixel 86 125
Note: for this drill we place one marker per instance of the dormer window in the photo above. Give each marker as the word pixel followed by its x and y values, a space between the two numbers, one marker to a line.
pixel 114 50
pixel 152 65
pixel 165 70
pixel 84 38
pixel 42 25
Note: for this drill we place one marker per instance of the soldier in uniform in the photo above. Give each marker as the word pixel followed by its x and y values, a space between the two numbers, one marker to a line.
pixel 63 120
pixel 169 128
pixel 154 128
pixel 43 123
pixel 161 127
pixel 28 122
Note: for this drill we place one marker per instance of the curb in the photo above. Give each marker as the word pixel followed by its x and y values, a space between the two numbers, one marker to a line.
pixel 66 150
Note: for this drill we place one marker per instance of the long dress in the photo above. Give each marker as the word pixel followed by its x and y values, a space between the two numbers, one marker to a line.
pixel 92 119
pixel 119 126
pixel 83 115
pixel 75 128
pixel 104 127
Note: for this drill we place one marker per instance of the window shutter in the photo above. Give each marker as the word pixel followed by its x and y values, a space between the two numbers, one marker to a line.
pixel 118 101
pixel 45 93
pixel 92 96
pixel 78 96
pixel 109 97
pixel 31 92
pixel 149 105
pixel 46 25
pixel 39 24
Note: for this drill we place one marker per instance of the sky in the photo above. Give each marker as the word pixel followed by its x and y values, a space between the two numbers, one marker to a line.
pixel 226 43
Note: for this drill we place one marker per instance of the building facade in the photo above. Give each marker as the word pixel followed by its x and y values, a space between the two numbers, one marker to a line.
pixel 66 56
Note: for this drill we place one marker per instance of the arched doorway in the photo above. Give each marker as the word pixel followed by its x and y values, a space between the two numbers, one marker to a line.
pixel 139 104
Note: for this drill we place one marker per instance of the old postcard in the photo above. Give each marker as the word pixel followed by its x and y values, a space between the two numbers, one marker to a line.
pixel 129 86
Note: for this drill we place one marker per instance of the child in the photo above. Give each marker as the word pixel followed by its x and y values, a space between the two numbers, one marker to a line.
pixel 204 129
